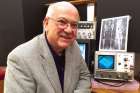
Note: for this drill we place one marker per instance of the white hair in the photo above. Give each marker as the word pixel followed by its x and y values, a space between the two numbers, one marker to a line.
pixel 51 8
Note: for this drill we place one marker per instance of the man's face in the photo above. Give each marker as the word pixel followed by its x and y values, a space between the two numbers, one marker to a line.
pixel 62 28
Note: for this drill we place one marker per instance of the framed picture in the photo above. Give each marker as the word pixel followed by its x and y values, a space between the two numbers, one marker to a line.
pixel 114 33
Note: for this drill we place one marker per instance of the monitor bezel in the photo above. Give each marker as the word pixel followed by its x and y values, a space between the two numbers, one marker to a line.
pixel 106 56
pixel 97 53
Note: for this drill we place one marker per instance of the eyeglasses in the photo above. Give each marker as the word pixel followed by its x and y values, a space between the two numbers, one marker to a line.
pixel 63 23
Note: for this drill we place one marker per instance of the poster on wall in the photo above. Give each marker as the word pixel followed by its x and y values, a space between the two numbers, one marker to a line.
pixel 114 33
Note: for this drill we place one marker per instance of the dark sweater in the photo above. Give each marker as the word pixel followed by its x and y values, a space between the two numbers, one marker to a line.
pixel 60 64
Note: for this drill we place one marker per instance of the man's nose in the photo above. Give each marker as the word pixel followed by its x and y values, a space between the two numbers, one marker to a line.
pixel 69 28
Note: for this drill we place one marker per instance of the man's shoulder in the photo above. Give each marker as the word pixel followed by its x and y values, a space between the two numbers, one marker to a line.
pixel 26 48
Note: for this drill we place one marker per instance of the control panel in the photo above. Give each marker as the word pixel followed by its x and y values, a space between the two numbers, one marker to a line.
pixel 86 30
pixel 125 62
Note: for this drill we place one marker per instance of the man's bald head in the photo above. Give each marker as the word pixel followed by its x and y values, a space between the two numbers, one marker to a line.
pixel 63 5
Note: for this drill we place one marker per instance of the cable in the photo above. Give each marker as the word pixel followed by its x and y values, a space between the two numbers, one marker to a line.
pixel 113 84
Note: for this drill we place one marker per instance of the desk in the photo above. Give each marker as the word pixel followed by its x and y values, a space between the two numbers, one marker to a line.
pixel 98 88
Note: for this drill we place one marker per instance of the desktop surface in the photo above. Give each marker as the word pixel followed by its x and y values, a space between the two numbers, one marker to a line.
pixel 131 87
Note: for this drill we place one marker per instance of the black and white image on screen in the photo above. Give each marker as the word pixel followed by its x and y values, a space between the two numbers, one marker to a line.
pixel 114 33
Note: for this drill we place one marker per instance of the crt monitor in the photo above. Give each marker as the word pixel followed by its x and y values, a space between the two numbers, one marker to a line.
pixel 84 46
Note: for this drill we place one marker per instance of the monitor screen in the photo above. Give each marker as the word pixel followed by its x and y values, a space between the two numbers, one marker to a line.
pixel 106 61
pixel 82 47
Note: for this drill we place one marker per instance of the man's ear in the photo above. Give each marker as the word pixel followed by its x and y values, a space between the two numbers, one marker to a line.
pixel 45 22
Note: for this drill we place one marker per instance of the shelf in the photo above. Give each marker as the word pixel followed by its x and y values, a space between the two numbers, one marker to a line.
pixel 75 2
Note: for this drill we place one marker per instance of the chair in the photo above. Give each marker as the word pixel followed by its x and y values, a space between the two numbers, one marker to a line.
pixel 2 75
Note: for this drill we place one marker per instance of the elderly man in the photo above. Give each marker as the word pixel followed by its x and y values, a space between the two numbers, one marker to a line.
pixel 50 62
